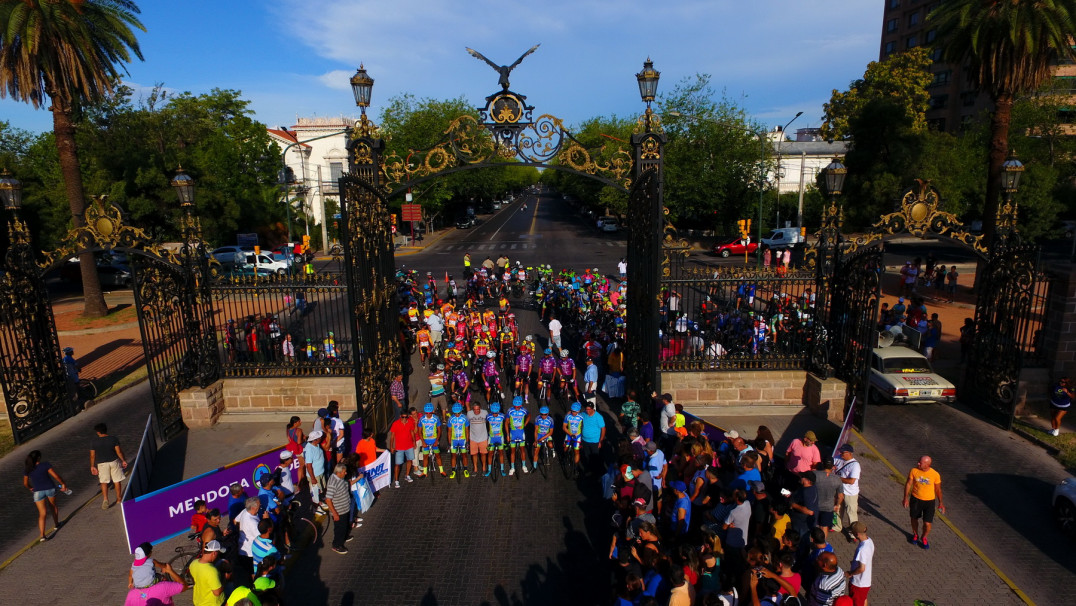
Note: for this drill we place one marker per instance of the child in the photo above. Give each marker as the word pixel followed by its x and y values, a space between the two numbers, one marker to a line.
pixel 198 520
pixel 680 421
pixel 143 572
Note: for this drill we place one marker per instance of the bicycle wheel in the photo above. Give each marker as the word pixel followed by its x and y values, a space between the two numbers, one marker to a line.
pixel 543 460
pixel 87 389
pixel 180 564
pixel 311 526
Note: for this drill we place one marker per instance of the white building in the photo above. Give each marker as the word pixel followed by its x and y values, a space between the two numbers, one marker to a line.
pixel 801 160
pixel 315 154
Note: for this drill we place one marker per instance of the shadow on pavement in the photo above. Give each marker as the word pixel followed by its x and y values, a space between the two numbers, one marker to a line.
pixel 1024 503
pixel 170 462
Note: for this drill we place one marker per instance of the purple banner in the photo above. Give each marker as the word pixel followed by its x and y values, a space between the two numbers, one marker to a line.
pixel 166 513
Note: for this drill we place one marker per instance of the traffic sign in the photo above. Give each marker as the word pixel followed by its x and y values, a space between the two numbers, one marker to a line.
pixel 411 212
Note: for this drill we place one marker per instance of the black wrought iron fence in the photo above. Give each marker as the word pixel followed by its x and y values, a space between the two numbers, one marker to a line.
pixel 733 318
pixel 1029 329
pixel 279 326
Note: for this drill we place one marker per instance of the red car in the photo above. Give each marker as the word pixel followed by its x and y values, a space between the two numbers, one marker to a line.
pixel 733 246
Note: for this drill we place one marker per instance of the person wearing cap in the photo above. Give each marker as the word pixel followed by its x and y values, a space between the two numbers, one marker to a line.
pixel 848 470
pixel 896 313
pixel 208 588
pixel 592 435
pixel 429 425
pixel 802 455
pixel 313 464
pixel 143 570
pixel 458 429
pixel 859 571
pixel 71 368
pixel 681 511
pixel 157 592
pixel 437 386
pixel 590 378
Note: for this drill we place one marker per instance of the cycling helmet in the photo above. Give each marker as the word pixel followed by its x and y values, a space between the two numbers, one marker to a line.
pixel 517 401
pixel 440 367
pixel 543 410
pixel 564 353
pixel 491 354
pixel 457 408
pixel 548 351
pixel 68 350
pixel 495 407
pixel 528 338
pixel 576 407
pixel 425 287
pixel 428 407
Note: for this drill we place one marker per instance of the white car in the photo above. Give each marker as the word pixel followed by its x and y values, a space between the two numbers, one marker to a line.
pixel 610 226
pixel 900 375
pixel 265 263
pixel 1065 505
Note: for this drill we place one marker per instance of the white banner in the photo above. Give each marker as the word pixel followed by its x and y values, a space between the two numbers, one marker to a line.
pixel 846 430
pixel 380 471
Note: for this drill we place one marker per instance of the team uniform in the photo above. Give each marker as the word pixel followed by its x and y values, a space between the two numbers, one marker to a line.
pixel 457 433
pixel 496 431
pixel 573 423
pixel 429 424
pixel 517 421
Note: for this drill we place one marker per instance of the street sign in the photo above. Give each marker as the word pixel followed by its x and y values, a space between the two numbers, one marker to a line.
pixel 411 212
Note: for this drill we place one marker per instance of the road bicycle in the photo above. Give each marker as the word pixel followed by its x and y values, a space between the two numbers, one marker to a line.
pixel 459 469
pixel 86 389
pixel 570 467
pixel 302 518
pixel 546 454
pixel 185 554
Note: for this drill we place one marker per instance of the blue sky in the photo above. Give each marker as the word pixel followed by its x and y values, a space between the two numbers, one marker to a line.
pixel 293 57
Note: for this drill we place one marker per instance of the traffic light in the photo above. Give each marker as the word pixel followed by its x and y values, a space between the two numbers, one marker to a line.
pixel 748 226
pixel 393 216
pixel 257 250
pixel 740 225
pixel 306 243
pixel 803 232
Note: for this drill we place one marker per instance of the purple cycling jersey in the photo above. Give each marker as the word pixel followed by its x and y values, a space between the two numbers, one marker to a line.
pixel 547 365
pixel 490 369
pixel 567 366
pixel 524 361
pixel 461 377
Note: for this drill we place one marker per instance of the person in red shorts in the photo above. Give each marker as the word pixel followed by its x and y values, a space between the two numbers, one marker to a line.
pixel 859 572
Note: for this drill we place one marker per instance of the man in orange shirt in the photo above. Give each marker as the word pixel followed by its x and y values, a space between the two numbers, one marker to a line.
pixel 423 338
pixel 920 492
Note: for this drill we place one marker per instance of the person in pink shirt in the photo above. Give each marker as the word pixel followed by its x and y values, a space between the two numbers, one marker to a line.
pixel 802 454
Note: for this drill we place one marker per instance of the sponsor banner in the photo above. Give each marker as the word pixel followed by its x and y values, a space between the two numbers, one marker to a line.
pixel 167 512
pixel 379 472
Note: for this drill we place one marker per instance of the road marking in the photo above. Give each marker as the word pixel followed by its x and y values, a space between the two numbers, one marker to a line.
pixel 1001 575
pixel 534 216
pixel 508 215
pixel 514 246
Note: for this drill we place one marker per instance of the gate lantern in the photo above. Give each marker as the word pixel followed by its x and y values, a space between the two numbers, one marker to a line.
pixel 10 191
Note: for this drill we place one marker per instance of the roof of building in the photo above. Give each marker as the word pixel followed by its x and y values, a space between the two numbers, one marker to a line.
pixel 284 135
pixel 813 148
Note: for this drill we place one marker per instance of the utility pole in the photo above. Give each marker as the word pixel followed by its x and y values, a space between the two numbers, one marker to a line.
pixel 803 168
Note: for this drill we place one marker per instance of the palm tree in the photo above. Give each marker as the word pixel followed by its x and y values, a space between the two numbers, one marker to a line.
pixel 69 52
pixel 1009 48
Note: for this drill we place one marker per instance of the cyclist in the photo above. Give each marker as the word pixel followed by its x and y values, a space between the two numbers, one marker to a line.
pixel 547 368
pixel 423 338
pixel 573 429
pixel 457 435
pixel 566 374
pixel 543 432
pixel 430 427
pixel 517 440
pixel 461 387
pixel 524 369
pixel 490 375
pixel 528 345
pixel 496 435
pixel 504 352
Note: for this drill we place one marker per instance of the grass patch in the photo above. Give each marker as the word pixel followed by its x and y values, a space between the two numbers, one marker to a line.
pixel 1064 443
pixel 7 439
pixel 74 320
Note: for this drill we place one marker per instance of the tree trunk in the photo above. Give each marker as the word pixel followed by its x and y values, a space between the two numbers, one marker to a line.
pixel 998 152
pixel 93 300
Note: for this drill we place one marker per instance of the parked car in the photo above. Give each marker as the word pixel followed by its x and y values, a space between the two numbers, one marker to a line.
pixel 900 375
pixel 266 263
pixel 610 226
pixel 603 220
pixel 231 254
pixel 497 205
pixel 466 222
pixel 783 238
pixel 726 247
pixel 1064 503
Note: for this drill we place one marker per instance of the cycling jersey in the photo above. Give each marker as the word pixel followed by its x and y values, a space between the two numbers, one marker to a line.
pixel 461 378
pixel 524 361
pixel 567 367
pixel 457 427
pixel 547 365
pixel 506 337
pixel 574 421
pixel 489 369
pixel 429 424
pixel 517 418
pixel 481 347
pixel 543 428
pixel 496 427
pixel 423 338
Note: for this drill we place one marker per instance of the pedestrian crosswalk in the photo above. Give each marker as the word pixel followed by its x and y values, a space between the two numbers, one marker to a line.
pixel 508 246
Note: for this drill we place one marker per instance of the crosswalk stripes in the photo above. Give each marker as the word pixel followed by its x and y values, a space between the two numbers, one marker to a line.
pixel 474 248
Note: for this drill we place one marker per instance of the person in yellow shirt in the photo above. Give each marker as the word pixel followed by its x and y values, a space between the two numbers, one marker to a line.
pixel 208 585
pixel 921 491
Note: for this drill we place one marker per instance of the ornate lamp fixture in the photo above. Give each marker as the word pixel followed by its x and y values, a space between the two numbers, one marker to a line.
pixel 648 88
pixel 184 185
pixel 10 191
pixel 1011 170
pixel 835 173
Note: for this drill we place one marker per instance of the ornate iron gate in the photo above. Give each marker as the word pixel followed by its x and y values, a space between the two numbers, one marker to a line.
pixel 644 250
pixel 370 270
pixel 30 365
pixel 853 315
pixel 1006 290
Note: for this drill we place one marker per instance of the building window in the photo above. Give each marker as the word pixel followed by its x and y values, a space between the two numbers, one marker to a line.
pixel 890 47
pixel 913 19
pixel 937 124
pixel 894 4
pixel 932 35
pixel 967 98
pixel 911 42
pixel 891 26
pixel 939 101
pixel 936 55
pixel 942 78
pixel 336 170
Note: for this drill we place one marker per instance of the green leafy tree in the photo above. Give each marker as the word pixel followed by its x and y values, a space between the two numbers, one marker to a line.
pixel 901 80
pixel 70 52
pixel 1010 48
pixel 602 137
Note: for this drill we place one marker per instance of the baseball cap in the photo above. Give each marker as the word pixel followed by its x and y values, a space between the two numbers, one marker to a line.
pixel 264 583
pixel 214 546
pixel 810 436
pixel 285 455
pixel 678 486
pixel 627 472
pixel 900 299
pixel 847 448
pixel 265 480
pixel 639 502
pixel 314 435
pixel 732 434
pixel 322 412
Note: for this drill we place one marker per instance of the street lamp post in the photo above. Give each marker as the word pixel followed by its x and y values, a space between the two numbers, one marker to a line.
pixel 781 140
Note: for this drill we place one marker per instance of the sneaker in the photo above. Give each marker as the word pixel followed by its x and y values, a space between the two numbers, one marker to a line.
pixel 396 484
pixel 914 539
pixel 1055 432
pixel 512 471
pixel 409 480
pixel 488 471
pixel 359 525
pixel 451 476
pixel 525 470
pixel 553 452
pixel 924 544
pixel 443 473
pixel 466 473
pixel 340 550
pixel 349 539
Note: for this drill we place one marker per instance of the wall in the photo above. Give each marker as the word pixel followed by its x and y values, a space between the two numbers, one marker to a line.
pixel 285 396
pixel 746 388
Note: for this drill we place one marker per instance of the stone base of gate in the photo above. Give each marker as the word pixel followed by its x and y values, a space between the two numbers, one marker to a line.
pixel 265 399
pixel 772 389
